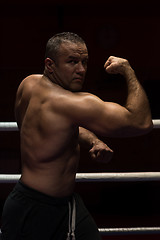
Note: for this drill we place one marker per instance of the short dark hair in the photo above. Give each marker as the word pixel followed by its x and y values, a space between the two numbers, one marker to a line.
pixel 54 43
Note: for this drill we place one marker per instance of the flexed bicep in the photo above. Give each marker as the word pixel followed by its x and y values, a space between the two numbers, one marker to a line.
pixel 108 119
pixel 103 118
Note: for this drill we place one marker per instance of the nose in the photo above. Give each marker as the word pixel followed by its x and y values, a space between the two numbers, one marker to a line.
pixel 81 68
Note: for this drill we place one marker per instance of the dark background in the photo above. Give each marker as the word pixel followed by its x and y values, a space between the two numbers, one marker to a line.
pixel 128 29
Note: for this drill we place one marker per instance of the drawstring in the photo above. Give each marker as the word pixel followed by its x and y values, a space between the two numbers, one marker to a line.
pixel 69 226
pixel 72 221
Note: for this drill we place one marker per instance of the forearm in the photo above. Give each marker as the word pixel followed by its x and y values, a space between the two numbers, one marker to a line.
pixel 98 149
pixel 137 102
pixel 87 138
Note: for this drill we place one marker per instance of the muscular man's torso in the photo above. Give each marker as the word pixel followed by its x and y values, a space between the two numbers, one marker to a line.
pixel 49 140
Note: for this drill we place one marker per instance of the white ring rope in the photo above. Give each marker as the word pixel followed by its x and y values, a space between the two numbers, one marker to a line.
pixel 156 123
pixel 98 177
pixel 129 231
pixel 12 126
pixel 8 126
pixel 118 177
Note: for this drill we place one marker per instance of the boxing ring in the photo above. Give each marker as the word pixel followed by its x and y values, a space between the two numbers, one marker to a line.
pixel 100 177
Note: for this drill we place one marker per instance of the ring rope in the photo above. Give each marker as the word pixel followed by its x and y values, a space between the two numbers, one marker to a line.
pixel 89 177
pixel 156 123
pixel 8 126
pixel 98 177
pixel 12 126
pixel 129 231
pixel 118 177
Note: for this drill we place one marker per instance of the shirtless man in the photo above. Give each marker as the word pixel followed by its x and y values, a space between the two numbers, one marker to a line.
pixel 53 117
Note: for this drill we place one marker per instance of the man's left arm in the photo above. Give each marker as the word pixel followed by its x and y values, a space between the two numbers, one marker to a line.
pixel 98 150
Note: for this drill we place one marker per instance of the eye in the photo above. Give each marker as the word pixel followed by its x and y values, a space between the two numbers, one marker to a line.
pixel 73 61
pixel 84 62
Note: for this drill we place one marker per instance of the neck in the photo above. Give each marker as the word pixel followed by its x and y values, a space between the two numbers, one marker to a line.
pixel 49 76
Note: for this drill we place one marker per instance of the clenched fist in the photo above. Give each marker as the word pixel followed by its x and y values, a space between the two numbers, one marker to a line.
pixel 116 65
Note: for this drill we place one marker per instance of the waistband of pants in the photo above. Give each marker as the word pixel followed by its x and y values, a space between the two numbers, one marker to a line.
pixel 39 196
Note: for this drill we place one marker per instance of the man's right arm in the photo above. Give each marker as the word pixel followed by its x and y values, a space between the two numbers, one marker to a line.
pixel 111 119
pixel 136 103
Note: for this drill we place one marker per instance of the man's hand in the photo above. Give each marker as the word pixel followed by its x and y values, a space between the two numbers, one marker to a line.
pixel 116 65
pixel 98 150
pixel 101 152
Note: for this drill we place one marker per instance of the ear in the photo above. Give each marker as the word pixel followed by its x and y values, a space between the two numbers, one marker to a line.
pixel 49 63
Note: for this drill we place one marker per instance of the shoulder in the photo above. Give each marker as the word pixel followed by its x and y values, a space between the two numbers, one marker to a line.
pixel 28 83
pixel 85 100
pixel 30 80
pixel 79 106
pixel 75 100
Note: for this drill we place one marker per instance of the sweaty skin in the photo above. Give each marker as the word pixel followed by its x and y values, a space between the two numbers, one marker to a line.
pixel 49 110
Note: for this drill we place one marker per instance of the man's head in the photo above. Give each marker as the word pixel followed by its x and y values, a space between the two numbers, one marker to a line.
pixel 66 60
pixel 54 43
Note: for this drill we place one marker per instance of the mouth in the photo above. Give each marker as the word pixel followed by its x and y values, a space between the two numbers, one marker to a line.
pixel 78 79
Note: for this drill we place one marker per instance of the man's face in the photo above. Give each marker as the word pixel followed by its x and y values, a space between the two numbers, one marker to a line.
pixel 71 66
